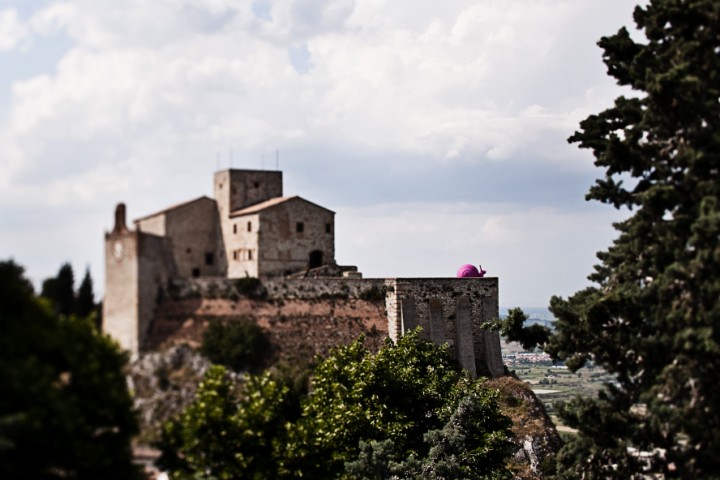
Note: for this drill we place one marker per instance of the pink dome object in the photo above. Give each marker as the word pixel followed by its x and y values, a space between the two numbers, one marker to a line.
pixel 469 271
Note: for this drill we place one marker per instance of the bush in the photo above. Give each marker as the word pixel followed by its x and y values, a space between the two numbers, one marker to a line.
pixel 236 345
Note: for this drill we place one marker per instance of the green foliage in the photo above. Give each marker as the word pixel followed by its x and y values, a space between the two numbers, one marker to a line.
pixel 227 435
pixel 250 287
pixel 513 329
pixel 374 294
pixel 85 301
pixel 65 411
pixel 652 318
pixel 407 409
pixel 236 345
pixel 60 290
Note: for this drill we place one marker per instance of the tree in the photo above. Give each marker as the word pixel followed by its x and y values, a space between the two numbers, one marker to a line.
pixel 409 407
pixel 236 345
pixel 85 301
pixel 229 434
pixel 652 319
pixel 65 411
pixel 513 329
pixel 60 290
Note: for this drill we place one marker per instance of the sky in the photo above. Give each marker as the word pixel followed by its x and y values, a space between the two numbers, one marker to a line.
pixel 437 131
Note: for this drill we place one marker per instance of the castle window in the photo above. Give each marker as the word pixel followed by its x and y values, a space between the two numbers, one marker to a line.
pixel 235 228
pixel 328 228
pixel 249 226
pixel 300 227
pixel 235 255
pixel 188 250
pixel 249 254
pixel 209 258
pixel 195 272
pixel 256 184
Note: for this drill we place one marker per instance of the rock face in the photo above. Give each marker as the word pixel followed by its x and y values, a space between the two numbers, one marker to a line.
pixel 535 437
pixel 163 384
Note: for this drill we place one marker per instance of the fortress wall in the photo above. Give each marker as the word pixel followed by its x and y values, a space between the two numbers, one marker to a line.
pixel 306 317
pixel 155 266
pixel 242 246
pixel 191 234
pixel 283 248
pixel 451 310
pixel 121 302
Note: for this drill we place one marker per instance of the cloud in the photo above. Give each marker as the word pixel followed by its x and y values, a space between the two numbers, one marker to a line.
pixel 12 30
pixel 369 103
pixel 536 252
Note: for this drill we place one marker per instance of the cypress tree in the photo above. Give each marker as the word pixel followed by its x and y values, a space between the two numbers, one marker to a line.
pixel 653 317
pixel 85 301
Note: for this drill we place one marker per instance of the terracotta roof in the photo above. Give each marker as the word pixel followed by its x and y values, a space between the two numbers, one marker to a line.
pixel 258 207
pixel 173 207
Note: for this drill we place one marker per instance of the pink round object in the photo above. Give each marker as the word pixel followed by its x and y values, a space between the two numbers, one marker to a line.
pixel 468 271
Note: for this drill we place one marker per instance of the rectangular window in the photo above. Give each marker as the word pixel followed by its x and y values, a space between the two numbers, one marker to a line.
pixel 209 258
pixel 235 255
pixel 195 272
pixel 249 226
pixel 249 254
pixel 300 227
pixel 235 228
pixel 328 228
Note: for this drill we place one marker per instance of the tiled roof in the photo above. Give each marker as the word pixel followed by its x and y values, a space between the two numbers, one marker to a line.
pixel 173 207
pixel 258 207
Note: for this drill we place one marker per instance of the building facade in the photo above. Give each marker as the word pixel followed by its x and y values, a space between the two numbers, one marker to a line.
pixel 251 230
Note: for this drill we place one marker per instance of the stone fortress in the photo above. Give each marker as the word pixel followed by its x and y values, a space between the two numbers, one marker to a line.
pixel 163 277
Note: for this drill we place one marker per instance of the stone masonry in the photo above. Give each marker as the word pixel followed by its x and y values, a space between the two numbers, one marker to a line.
pixel 251 230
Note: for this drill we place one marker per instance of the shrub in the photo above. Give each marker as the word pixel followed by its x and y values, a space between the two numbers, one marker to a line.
pixel 236 345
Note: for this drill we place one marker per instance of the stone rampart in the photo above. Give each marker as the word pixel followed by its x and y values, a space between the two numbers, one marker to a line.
pixel 306 317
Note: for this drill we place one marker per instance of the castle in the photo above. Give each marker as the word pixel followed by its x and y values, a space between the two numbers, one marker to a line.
pixel 251 230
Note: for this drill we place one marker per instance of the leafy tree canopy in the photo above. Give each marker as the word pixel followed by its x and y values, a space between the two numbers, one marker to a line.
pixel 65 411
pixel 236 345
pixel 652 317
pixel 407 410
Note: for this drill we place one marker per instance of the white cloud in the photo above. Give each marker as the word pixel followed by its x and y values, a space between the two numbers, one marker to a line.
pixel 536 252
pixel 12 31
pixel 378 91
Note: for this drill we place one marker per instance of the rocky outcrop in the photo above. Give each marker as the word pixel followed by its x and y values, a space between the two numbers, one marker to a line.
pixel 534 435
pixel 163 383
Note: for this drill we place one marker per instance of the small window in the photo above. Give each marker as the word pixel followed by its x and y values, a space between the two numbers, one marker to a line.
pixel 235 228
pixel 249 226
pixel 209 258
pixel 188 250
pixel 328 228
pixel 195 272
pixel 235 255
pixel 256 184
pixel 300 227
pixel 249 254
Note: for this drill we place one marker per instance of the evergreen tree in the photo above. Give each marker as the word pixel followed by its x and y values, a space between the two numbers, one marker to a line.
pixel 85 301
pixel 65 411
pixel 653 317
pixel 60 290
